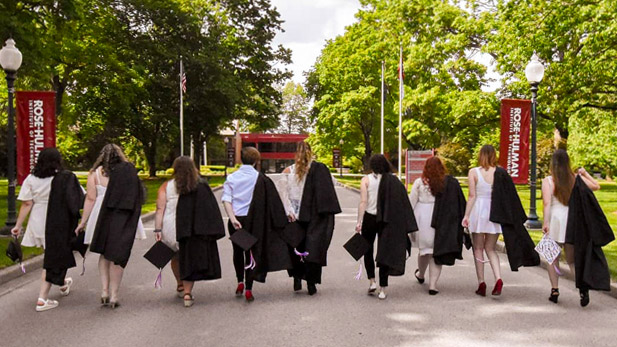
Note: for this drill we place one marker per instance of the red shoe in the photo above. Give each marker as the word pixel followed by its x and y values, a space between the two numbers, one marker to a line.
pixel 498 287
pixel 481 289
pixel 249 296
pixel 240 289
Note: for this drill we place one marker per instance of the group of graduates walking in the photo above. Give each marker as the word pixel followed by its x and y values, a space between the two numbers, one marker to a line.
pixel 288 225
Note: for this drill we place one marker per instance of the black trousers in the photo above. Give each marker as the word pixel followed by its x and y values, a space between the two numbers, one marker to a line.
pixel 369 232
pixel 311 272
pixel 241 257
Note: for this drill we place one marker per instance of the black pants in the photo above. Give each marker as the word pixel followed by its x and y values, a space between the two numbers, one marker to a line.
pixel 241 257
pixel 369 232
pixel 311 272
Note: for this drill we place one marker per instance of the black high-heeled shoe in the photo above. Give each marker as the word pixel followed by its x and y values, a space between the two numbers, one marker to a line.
pixel 433 292
pixel 554 295
pixel 312 289
pixel 420 280
pixel 297 284
pixel 104 300
pixel 584 293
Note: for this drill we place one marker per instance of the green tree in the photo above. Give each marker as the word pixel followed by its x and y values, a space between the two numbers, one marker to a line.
pixel 294 113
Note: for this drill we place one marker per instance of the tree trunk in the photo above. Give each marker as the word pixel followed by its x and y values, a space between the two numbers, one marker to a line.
pixel 59 87
pixel 368 151
pixel 151 158
pixel 197 150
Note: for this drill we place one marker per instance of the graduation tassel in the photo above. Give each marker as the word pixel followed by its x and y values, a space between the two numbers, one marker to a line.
pixel 252 264
pixel 359 274
pixel 557 270
pixel 23 269
pixel 301 255
pixel 158 284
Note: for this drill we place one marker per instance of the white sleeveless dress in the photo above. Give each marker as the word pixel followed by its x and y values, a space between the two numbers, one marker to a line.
pixel 96 209
pixel 559 217
pixel 479 219
pixel 290 189
pixel 423 203
pixel 169 218
pixel 37 190
pixel 372 192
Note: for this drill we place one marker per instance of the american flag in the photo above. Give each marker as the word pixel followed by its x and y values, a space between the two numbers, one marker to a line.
pixel 183 82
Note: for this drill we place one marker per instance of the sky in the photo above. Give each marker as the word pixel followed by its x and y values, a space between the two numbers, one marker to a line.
pixel 308 24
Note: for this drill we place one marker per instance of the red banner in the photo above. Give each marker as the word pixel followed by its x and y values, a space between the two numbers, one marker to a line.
pixel 514 142
pixel 36 128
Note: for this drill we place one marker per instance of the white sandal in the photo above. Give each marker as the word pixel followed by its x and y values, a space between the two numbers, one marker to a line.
pixel 382 295
pixel 47 305
pixel 68 282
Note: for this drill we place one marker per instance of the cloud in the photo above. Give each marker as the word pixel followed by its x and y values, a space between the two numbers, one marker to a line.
pixel 308 24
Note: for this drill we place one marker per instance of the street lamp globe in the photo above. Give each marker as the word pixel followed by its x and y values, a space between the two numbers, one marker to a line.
pixel 341 142
pixel 10 56
pixel 534 70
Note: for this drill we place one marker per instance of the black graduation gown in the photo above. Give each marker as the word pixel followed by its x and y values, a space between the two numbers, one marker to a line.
pixel 266 220
pixel 119 215
pixel 318 207
pixel 588 230
pixel 199 225
pixel 448 215
pixel 395 220
pixel 65 201
pixel 507 210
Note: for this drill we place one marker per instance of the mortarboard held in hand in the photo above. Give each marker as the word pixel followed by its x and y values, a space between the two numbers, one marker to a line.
pixel 159 255
pixel 243 239
pixel 293 234
pixel 357 246
pixel 13 251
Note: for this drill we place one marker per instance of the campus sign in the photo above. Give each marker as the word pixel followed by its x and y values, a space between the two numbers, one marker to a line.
pixel 514 141
pixel 414 164
pixel 36 128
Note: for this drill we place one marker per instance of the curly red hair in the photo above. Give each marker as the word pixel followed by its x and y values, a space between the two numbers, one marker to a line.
pixel 434 175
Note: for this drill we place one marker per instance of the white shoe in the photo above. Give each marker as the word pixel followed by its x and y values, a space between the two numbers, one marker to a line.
pixel 372 288
pixel 382 295
pixel 47 305
pixel 68 282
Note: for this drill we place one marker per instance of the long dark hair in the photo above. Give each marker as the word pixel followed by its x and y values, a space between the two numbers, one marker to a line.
pixel 48 164
pixel 110 155
pixel 434 175
pixel 563 176
pixel 185 175
pixel 380 165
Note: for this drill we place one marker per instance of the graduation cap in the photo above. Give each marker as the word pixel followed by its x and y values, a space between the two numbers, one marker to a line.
pixel 77 244
pixel 293 234
pixel 13 251
pixel 243 239
pixel 159 255
pixel 357 246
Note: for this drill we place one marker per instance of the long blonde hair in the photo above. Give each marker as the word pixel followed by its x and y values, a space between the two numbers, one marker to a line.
pixel 110 155
pixel 304 156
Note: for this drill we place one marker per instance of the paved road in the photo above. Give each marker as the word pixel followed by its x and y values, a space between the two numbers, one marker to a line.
pixel 341 314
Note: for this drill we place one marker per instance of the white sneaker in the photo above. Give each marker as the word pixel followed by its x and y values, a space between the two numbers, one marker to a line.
pixel 382 295
pixel 372 288
pixel 68 282
pixel 47 305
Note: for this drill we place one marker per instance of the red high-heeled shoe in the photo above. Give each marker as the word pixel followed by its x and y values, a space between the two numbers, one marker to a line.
pixel 249 295
pixel 240 289
pixel 498 287
pixel 481 289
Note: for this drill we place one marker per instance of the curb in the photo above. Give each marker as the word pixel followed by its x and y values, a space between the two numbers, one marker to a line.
pixel 501 247
pixel 14 271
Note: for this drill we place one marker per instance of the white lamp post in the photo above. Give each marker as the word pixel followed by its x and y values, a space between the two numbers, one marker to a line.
pixel 534 73
pixel 10 60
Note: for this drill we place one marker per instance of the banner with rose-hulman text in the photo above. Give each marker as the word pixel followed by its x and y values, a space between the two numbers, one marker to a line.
pixel 36 128
pixel 514 141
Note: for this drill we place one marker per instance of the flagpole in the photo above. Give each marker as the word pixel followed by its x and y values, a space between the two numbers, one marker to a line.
pixel 181 111
pixel 383 68
pixel 400 113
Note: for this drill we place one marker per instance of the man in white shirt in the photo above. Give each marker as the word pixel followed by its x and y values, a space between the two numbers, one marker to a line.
pixel 237 196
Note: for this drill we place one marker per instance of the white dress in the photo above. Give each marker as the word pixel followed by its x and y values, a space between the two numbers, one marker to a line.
pixel 96 209
pixel 372 193
pixel 559 217
pixel 37 190
pixel 169 218
pixel 423 202
pixel 479 219
pixel 291 189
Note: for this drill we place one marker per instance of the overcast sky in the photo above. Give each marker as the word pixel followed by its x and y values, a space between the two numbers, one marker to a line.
pixel 308 24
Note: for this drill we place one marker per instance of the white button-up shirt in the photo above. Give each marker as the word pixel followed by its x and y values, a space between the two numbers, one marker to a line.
pixel 238 189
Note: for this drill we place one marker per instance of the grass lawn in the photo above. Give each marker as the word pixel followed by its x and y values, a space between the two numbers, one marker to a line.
pixel 152 185
pixel 607 197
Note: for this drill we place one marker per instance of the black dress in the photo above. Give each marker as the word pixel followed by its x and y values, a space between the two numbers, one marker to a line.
pixel 199 225
pixel 120 212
